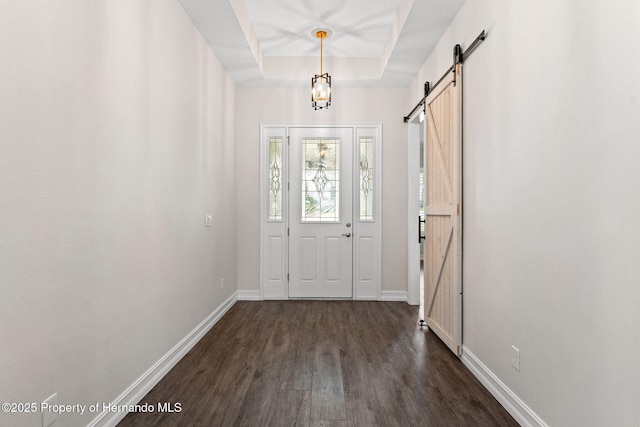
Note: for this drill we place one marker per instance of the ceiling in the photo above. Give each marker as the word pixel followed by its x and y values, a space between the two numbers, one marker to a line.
pixel 373 43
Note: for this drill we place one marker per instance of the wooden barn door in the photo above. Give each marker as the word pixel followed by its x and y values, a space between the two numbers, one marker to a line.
pixel 443 161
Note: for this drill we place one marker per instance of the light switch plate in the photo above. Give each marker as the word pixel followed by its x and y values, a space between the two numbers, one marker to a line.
pixel 208 220
pixel 515 358
pixel 48 416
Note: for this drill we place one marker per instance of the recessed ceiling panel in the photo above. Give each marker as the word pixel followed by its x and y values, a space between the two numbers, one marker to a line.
pixel 360 27
pixel 375 43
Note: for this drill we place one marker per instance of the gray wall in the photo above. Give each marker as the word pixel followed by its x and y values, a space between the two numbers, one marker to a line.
pixel 551 201
pixel 350 106
pixel 116 136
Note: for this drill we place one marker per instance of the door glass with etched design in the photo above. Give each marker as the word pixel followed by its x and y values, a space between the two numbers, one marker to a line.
pixel 320 180
pixel 366 179
pixel 275 179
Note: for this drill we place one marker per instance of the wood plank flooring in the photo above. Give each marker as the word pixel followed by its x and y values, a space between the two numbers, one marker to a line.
pixel 321 364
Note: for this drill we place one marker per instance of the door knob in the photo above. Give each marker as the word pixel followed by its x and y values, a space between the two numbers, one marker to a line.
pixel 346 234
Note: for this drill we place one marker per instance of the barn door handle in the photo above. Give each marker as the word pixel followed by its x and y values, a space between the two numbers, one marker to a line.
pixel 420 222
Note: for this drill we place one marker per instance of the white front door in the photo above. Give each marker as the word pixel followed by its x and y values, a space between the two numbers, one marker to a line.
pixel 320 213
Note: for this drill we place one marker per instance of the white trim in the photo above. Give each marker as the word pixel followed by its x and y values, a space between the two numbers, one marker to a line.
pixel 507 398
pixel 367 298
pixel 249 295
pixel 268 292
pixel 413 175
pixel 273 287
pixel 393 296
pixel 136 391
pixel 362 292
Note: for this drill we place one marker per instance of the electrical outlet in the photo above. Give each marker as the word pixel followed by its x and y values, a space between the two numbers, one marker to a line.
pixel 222 283
pixel 515 358
pixel 48 416
pixel 208 220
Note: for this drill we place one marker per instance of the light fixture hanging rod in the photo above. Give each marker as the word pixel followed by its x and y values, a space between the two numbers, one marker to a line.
pixel 321 54
pixel 321 34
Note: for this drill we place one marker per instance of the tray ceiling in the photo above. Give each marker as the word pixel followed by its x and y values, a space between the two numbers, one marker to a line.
pixel 374 43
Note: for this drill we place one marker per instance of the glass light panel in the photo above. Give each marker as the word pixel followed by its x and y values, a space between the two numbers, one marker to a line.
pixel 366 179
pixel 321 91
pixel 320 180
pixel 275 179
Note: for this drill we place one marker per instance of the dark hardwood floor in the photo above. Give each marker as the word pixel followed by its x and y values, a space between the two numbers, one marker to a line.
pixel 321 364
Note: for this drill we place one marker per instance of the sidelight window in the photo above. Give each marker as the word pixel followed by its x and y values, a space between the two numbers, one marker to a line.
pixel 275 179
pixel 366 179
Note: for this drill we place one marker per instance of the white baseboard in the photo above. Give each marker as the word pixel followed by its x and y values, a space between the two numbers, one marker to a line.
pixel 366 298
pixel 249 295
pixel 393 296
pixel 507 398
pixel 136 391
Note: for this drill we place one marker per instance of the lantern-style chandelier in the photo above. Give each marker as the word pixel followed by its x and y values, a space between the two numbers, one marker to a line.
pixel 321 83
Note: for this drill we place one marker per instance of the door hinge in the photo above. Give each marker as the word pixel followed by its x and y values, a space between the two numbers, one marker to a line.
pixel 288 140
pixel 289 186
pixel 287 231
pixel 287 277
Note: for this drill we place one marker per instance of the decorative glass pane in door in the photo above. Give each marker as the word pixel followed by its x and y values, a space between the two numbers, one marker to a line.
pixel 275 179
pixel 366 179
pixel 320 180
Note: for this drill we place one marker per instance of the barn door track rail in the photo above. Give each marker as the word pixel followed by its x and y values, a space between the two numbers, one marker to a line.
pixel 458 58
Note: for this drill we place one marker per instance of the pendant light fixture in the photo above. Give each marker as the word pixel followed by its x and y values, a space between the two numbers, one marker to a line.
pixel 321 83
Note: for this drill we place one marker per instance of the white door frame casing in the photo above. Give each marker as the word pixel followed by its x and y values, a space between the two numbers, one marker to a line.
pixel 367 235
pixel 416 128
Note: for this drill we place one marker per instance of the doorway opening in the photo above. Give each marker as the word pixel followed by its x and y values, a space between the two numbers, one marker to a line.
pixel 415 220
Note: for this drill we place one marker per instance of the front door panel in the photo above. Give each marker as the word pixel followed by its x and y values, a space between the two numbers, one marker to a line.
pixel 320 212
